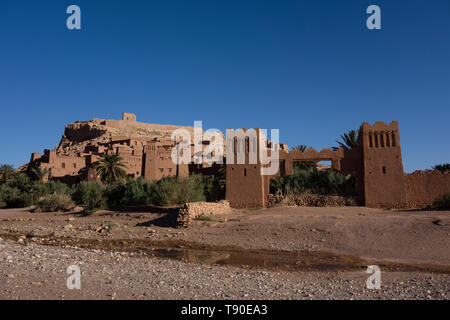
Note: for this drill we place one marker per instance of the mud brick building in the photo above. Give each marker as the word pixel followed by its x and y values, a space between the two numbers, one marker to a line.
pixel 376 163
pixel 146 151
pixel 84 143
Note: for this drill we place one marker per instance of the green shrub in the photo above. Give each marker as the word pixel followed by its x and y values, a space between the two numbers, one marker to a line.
pixel 171 190
pixel 167 191
pixel 112 226
pixel 443 202
pixel 21 182
pixel 13 197
pixel 214 185
pixel 129 193
pixel 51 187
pixel 89 195
pixel 311 180
pixel 54 202
pixel 213 189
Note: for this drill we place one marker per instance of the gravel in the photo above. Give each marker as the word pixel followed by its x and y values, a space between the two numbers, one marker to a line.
pixel 40 272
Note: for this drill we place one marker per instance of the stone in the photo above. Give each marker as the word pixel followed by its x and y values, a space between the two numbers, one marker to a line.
pixel 191 210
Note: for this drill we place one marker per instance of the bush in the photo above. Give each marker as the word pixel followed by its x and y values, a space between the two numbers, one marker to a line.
pixel 54 202
pixel 165 192
pixel 13 197
pixel 215 185
pixel 21 182
pixel 171 190
pixel 443 202
pixel 130 193
pixel 310 180
pixel 89 195
pixel 213 190
pixel 20 191
pixel 51 187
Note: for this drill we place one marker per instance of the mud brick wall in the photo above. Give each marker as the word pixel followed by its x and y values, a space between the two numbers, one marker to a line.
pixel 191 210
pixel 423 187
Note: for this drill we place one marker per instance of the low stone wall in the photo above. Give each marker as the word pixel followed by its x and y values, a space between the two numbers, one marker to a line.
pixel 190 211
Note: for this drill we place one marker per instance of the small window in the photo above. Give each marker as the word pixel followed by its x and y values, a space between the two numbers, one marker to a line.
pixel 161 169
pixel 384 170
pixel 74 165
pixel 170 169
pixel 63 165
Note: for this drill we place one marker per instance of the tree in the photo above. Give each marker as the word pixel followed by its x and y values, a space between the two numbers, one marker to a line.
pixel 301 165
pixel 350 140
pixel 39 174
pixel 6 173
pixel 300 147
pixel 111 169
pixel 442 167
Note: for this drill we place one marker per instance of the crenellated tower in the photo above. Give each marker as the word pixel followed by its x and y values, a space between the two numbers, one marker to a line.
pixel 383 175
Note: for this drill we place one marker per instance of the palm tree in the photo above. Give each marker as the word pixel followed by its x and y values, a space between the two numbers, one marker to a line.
pixel 442 167
pixel 111 168
pixel 6 173
pixel 350 140
pixel 39 174
pixel 302 165
pixel 300 147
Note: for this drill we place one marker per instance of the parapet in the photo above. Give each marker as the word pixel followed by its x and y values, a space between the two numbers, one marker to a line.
pixel 380 126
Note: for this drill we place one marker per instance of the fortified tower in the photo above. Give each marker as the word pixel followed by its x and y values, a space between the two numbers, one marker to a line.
pixel 383 174
pixel 246 187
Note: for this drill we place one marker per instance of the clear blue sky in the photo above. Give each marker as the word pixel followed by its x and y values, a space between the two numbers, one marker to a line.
pixel 310 68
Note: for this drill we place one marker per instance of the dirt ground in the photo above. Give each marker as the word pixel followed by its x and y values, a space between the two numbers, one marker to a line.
pixel 275 253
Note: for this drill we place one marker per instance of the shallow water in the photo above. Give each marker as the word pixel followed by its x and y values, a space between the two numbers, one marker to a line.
pixel 268 259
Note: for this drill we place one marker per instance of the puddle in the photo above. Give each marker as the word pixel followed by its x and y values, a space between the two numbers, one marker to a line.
pixel 234 256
